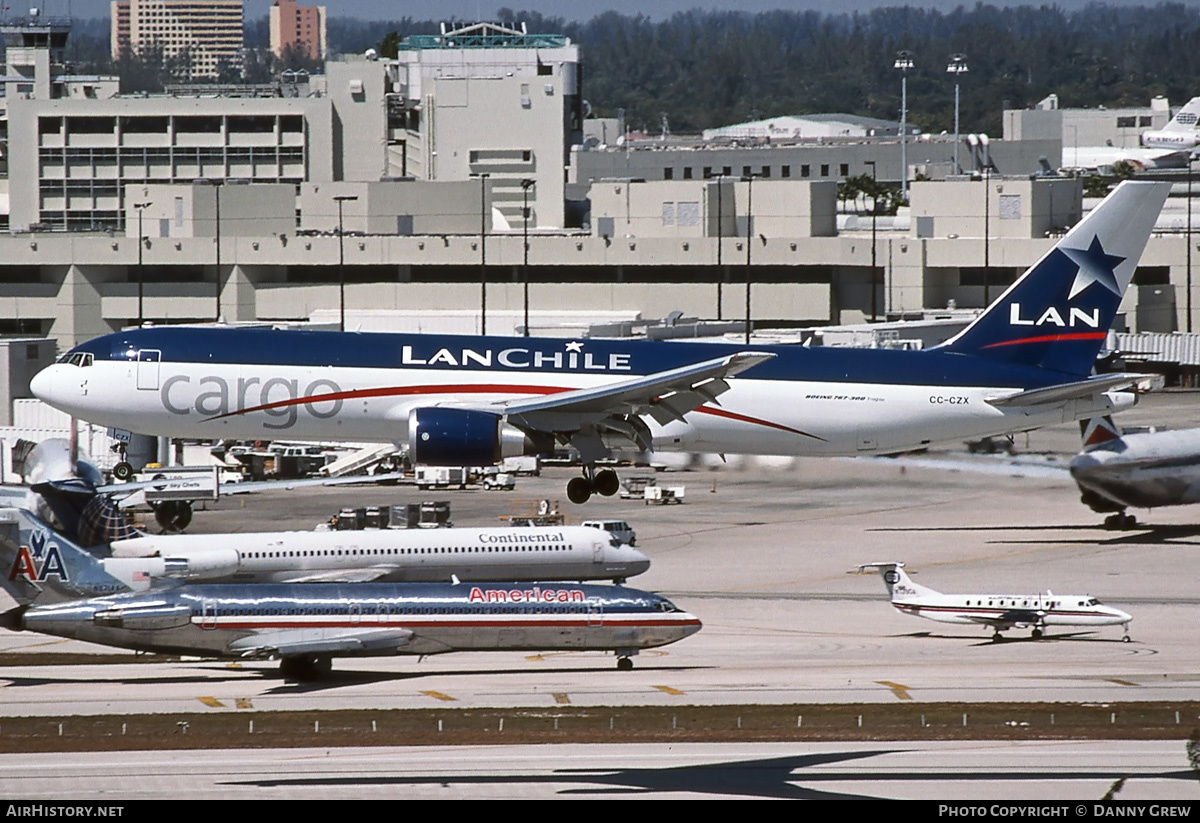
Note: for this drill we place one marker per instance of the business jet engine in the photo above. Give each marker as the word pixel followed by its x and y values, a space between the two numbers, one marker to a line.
pixel 441 436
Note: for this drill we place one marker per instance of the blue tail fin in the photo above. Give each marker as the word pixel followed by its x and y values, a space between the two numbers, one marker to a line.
pixel 41 566
pixel 1058 313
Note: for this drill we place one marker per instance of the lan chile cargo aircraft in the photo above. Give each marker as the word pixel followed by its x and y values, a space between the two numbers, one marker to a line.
pixel 1023 363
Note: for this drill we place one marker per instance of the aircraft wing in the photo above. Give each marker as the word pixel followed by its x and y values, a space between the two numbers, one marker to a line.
pixel 1069 391
pixel 1011 618
pixel 342 576
pixel 320 641
pixel 178 487
pixel 664 396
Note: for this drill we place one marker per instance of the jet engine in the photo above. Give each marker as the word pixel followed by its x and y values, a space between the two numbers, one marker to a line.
pixel 440 436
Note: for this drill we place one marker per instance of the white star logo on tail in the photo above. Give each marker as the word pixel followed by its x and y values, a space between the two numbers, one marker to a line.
pixel 1094 267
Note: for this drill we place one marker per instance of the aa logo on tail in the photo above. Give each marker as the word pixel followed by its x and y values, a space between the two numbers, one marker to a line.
pixel 40 559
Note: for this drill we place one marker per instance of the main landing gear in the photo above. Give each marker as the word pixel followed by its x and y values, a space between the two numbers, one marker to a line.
pixel 1120 521
pixel 604 482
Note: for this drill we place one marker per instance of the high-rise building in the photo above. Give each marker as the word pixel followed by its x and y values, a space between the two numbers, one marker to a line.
pixel 301 27
pixel 205 34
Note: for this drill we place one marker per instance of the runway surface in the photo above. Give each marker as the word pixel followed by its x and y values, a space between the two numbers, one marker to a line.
pixel 987 772
pixel 761 552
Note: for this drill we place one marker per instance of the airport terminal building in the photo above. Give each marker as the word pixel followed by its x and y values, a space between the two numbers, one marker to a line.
pixel 419 181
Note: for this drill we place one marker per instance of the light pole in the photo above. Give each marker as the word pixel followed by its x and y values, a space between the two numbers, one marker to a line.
pixel 749 243
pixel 526 184
pixel 904 62
pixel 720 234
pixel 342 198
pixel 141 241
pixel 957 67
pixel 482 251
pixel 874 217
pixel 1188 300
pixel 987 235
pixel 217 185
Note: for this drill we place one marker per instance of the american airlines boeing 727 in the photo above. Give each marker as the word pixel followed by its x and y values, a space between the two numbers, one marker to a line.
pixel 1023 363
pixel 65 591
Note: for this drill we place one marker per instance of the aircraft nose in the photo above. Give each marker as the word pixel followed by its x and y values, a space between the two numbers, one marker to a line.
pixel 637 562
pixel 47 385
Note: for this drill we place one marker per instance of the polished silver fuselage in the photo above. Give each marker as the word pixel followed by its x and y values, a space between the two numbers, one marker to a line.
pixel 370 619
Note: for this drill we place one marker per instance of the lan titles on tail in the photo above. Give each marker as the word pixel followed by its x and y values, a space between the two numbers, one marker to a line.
pixel 1025 362
pixel 999 612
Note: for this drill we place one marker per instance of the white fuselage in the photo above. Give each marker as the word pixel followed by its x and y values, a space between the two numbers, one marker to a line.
pixel 1143 470
pixel 1012 609
pixel 775 417
pixel 390 555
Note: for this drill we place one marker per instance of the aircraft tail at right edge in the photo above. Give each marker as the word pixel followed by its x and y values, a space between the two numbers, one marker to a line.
pixel 1099 430
pixel 1057 314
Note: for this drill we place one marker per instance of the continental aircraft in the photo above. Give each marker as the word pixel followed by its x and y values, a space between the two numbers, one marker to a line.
pixel 393 555
pixel 305 626
pixel 1182 133
pixel 141 562
pixel 1023 363
pixel 999 612
pixel 1116 471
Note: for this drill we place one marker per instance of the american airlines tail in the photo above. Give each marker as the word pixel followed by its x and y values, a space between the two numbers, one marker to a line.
pixel 1055 317
pixel 899 585
pixel 42 566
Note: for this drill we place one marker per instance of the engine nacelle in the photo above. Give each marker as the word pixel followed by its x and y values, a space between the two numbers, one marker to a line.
pixel 203 564
pixel 440 436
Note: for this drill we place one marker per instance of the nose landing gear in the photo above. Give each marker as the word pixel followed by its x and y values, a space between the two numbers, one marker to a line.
pixel 605 482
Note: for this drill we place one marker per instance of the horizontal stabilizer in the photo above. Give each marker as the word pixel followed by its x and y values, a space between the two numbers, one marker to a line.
pixel 1069 391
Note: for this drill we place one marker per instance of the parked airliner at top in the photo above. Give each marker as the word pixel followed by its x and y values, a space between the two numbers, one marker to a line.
pixel 1023 363
pixel 1182 133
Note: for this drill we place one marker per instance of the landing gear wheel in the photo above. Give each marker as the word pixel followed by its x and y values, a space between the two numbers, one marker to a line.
pixel 579 490
pixel 606 483
pixel 1126 639
pixel 624 664
pixel 1037 634
pixel 123 470
pixel 1120 521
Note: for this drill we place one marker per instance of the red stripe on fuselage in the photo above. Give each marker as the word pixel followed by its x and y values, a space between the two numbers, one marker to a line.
pixel 475 388
pixel 1051 338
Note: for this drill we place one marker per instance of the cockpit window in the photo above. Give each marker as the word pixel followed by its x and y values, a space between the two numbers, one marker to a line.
pixel 78 358
pixel 1093 602
pixel 666 606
